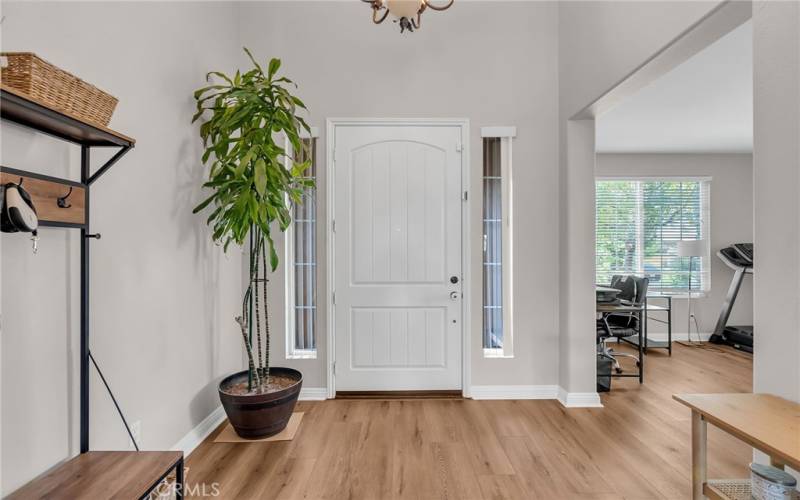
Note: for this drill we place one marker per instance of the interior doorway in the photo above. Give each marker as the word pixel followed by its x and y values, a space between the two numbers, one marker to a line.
pixel 673 196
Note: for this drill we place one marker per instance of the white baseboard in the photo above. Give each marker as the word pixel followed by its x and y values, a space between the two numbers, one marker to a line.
pixel 514 391
pixel 568 399
pixel 313 393
pixel 579 399
pixel 194 437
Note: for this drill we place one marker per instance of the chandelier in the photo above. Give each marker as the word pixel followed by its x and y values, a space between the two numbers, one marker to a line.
pixel 408 13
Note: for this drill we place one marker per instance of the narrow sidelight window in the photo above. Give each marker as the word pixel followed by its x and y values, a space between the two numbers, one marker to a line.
pixel 301 279
pixel 497 238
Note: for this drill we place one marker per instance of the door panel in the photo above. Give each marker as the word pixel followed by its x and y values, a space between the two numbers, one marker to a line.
pixel 401 337
pixel 397 242
pixel 398 212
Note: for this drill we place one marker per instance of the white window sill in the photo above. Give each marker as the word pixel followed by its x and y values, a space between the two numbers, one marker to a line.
pixel 302 354
pixel 496 354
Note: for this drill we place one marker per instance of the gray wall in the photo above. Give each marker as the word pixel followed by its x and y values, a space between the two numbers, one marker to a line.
pixel 163 296
pixel 776 167
pixel 493 63
pixel 731 222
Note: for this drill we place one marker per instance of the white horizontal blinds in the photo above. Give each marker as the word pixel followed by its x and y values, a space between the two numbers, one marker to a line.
pixel 639 224
pixel 305 257
pixel 673 211
pixel 492 245
pixel 617 229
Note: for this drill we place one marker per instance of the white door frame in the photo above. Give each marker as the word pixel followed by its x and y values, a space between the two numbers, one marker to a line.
pixel 330 141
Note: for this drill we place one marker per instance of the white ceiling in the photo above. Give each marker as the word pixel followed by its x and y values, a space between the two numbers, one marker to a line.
pixel 703 105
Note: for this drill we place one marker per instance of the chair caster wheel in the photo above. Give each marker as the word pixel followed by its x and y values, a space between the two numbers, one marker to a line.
pixel 618 370
pixel 638 364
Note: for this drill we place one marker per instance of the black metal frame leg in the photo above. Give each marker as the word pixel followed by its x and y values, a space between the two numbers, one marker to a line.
pixel 669 323
pixel 179 480
pixel 642 328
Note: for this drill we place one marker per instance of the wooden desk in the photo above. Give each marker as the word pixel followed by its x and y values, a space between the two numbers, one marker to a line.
pixel 107 474
pixel 765 422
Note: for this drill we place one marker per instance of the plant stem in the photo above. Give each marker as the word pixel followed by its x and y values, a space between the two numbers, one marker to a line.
pixel 254 283
pixel 266 316
pixel 254 375
pixel 251 365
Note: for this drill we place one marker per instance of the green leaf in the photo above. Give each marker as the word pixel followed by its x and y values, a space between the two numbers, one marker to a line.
pixel 220 75
pixel 274 66
pixel 261 176
pixel 298 102
pixel 253 60
pixel 197 115
pixel 273 255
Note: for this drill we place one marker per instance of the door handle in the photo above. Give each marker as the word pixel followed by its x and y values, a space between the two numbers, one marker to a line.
pixel 454 295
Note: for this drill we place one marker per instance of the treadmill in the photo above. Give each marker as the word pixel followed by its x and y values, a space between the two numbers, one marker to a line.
pixel 738 257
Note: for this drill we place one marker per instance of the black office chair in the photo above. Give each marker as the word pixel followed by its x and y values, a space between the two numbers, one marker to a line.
pixel 620 325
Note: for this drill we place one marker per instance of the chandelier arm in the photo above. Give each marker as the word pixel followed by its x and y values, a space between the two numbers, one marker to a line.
pixel 375 15
pixel 418 21
pixel 434 7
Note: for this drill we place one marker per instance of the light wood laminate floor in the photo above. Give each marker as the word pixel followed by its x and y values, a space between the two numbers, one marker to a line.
pixel 636 447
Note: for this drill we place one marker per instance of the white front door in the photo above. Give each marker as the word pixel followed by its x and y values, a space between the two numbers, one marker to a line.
pixel 397 257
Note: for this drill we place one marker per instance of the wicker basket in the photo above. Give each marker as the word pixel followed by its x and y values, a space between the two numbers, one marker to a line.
pixel 57 89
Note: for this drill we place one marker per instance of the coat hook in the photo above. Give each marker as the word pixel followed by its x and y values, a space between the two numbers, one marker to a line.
pixel 62 200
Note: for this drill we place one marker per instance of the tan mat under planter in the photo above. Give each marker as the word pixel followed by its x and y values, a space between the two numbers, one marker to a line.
pixel 228 435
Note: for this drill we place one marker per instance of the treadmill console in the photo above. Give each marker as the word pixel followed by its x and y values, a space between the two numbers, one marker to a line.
pixel 738 255
pixel 745 251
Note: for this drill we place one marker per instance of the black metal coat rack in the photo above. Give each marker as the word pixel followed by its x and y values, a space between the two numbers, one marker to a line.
pixel 23 111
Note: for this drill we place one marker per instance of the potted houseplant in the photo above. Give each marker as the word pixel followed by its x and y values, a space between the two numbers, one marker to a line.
pixel 255 181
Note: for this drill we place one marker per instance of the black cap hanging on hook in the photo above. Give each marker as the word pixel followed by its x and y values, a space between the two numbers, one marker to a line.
pixel 17 213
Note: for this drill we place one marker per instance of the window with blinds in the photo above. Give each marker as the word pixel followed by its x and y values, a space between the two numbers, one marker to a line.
pixel 639 223
pixel 302 271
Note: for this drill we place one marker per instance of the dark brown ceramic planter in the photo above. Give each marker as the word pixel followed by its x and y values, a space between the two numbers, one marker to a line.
pixel 256 416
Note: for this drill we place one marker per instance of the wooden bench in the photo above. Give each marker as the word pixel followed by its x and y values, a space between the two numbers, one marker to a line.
pixel 97 475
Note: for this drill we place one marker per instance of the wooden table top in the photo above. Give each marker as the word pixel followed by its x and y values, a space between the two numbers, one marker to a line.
pixel 102 474
pixel 764 421
pixel 609 307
